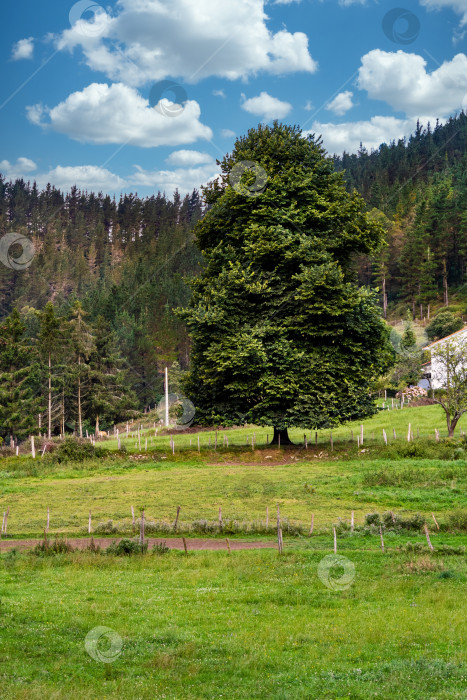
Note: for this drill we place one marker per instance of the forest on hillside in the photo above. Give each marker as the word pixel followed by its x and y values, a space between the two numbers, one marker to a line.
pixel 127 261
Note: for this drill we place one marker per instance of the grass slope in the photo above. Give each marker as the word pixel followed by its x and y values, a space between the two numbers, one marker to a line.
pixel 249 625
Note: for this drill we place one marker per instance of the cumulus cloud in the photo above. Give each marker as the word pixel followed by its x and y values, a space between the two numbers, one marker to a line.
pixel 117 113
pixel 341 103
pixel 21 168
pixel 459 6
pixel 90 177
pixel 149 40
pixel 372 133
pixel 186 157
pixel 227 133
pixel 97 178
pixel 266 106
pixel 183 179
pixel 24 48
pixel 218 93
pixel 401 80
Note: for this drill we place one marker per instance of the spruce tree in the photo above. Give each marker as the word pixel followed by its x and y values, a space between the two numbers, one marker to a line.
pixel 18 378
pixel 282 334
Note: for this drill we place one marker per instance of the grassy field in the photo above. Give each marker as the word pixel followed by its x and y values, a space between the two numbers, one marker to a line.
pixel 423 421
pixel 246 625
pixel 309 483
pixel 250 624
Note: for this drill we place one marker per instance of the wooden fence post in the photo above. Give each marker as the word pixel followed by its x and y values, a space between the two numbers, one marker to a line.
pixel 89 523
pixel 385 437
pixel 427 535
pixel 184 545
pixel 408 434
pixel 436 522
pixel 176 519
pixel 228 544
pixel 381 535
pixel 141 529
pixel 33 449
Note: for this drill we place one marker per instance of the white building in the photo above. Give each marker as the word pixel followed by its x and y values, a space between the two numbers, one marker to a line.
pixel 434 371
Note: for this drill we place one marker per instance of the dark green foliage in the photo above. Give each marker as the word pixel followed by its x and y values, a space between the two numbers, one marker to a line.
pixel 76 450
pixel 127 548
pixel 281 333
pixel 45 548
pixel 443 325
pixel 391 521
pixel 19 378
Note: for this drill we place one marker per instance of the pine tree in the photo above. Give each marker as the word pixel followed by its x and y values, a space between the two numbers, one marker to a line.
pixel 282 335
pixel 50 344
pixel 18 380
pixel 109 397
pixel 81 344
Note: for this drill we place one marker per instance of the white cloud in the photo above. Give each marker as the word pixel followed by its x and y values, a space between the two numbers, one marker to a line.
pixel 218 93
pixel 24 48
pixel 21 168
pixel 90 177
pixel 401 80
pixel 149 40
pixel 183 179
pixel 185 157
pixel 459 6
pixel 96 178
pixel 266 106
pixel 341 103
pixel 118 114
pixel 227 133
pixel 308 106
pixel 347 137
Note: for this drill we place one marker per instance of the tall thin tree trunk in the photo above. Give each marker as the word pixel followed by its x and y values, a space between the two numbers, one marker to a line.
pixel 385 298
pixel 49 406
pixel 97 425
pixel 80 423
pixel 445 283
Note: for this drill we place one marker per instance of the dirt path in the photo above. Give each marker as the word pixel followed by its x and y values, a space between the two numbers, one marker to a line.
pixel 171 542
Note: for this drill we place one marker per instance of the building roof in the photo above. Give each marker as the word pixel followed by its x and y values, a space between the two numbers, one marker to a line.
pixel 462 330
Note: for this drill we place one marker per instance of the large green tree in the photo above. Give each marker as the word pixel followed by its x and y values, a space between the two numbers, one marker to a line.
pixel 18 379
pixel 282 334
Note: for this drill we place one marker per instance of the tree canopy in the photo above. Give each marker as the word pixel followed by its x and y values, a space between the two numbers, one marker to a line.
pixel 282 333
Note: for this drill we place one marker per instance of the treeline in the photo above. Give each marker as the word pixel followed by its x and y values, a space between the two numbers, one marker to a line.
pixel 417 188
pixel 125 260
pixel 60 374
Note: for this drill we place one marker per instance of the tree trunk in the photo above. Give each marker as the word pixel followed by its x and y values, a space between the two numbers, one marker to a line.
pixel 97 425
pixel 451 423
pixel 49 407
pixel 445 284
pixel 285 440
pixel 385 298
pixel 80 423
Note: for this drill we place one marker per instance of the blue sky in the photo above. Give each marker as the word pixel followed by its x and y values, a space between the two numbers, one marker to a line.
pixel 144 95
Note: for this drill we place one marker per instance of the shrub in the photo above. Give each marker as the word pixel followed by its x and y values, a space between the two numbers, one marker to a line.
pixel 127 548
pixel 77 450
pixel 160 549
pixel 107 528
pixel 457 520
pixel 59 546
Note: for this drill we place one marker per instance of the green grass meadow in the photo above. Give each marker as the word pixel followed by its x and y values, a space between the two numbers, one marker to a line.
pixel 251 623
